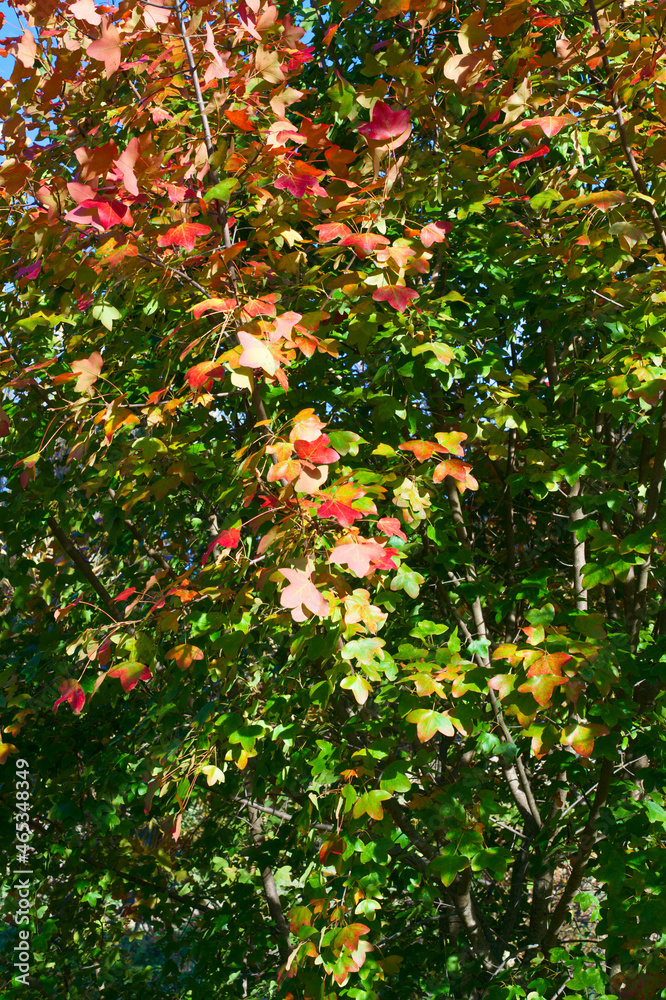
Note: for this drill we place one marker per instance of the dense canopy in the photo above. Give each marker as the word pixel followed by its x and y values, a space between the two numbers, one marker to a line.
pixel 333 435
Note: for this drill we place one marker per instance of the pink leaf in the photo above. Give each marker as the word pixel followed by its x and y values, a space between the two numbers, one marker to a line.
pixel 302 593
pixel 85 10
pixel 364 243
pixel 388 127
pixel 25 50
pixel 398 296
pixel 550 125
pixel 363 557
pixel 71 692
pixel 435 232
pixel 391 526
pixel 106 49
pixel 300 186
pixel 88 370
pixel 100 214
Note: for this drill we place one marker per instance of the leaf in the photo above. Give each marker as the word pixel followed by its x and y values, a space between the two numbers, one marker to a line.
pixel 223 189
pixel 329 231
pixel 389 127
pixel 363 557
pixel 106 48
pixel 105 314
pixel 5 750
pixel 435 232
pixel 444 355
pixel 398 296
pixel 101 214
pixel 213 305
pixel 421 450
pixel 71 692
pixel 227 539
pixel 364 243
pixel 391 526
pixel 541 688
pixel 348 937
pixel 213 775
pixel 370 803
pixel 88 370
pixel 185 655
pixel 302 594
pixel 550 125
pixel 256 354
pixel 451 441
pixel 184 235
pixel 341 512
pixel 460 471
pixel 201 376
pixel 358 686
pixel 129 673
pixel 549 663
pixel 429 722
pixel 526 157
pixel 25 50
pixel 502 683
pixel 581 736
pixel 316 451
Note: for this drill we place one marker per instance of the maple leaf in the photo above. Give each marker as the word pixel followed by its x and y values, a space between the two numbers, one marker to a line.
pixel 124 165
pixel 359 609
pixel 502 683
pixel 398 296
pixel 88 370
pixel 549 663
pixel 241 119
pixel 101 214
pixel 539 151
pixel 4 423
pixel 451 441
pixel 341 512
pixel 213 305
pixel 185 655
pixel 106 48
pixel 421 450
pixel 388 127
pixel 129 673
pixel 330 231
pixel 460 471
pixel 435 232
pixel 201 375
pixel 300 186
pixel 302 593
pixel 25 50
pixel 217 69
pixel 391 526
pixel 5 750
pixel 256 354
pixel 85 10
pixel 541 688
pixel 183 235
pixel 429 722
pixel 581 736
pixel 358 686
pixel 317 451
pixel 364 243
pixel 71 692
pixel 227 539
pixel 550 125
pixel 371 803
pixel 349 936
pixel 363 557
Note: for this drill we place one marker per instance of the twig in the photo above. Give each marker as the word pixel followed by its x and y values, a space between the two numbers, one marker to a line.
pixel 84 568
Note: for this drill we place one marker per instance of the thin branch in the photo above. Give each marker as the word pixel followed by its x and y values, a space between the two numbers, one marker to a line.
pixel 84 567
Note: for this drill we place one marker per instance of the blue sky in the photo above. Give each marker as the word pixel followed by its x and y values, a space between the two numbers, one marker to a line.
pixel 10 29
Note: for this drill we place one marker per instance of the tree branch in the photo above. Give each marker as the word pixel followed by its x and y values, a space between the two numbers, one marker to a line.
pixel 84 568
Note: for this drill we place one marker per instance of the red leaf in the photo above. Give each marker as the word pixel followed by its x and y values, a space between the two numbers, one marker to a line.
pixel 106 49
pixel 460 471
pixel 100 214
pixel 421 450
pixel 213 305
pixel 364 243
pixel 241 120
pixel 541 688
pixel 435 232
pixel 300 186
pixel 388 127
pixel 124 595
pixel 227 539
pixel 129 673
pixel 183 235
pixel 550 125
pixel 349 936
pixel 391 526
pixel 71 692
pixel 398 296
pixel 185 655
pixel 302 593
pixel 330 231
pixel 539 151
pixel 202 374
pixel 316 451
pixel 342 512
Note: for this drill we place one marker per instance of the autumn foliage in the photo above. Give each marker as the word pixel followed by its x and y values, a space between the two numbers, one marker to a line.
pixel 333 436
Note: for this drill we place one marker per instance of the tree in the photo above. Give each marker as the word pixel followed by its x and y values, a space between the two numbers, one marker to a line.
pixel 334 437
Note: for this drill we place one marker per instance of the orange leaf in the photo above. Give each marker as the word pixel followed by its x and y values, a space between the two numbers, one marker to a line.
pixel 183 235
pixel 185 655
